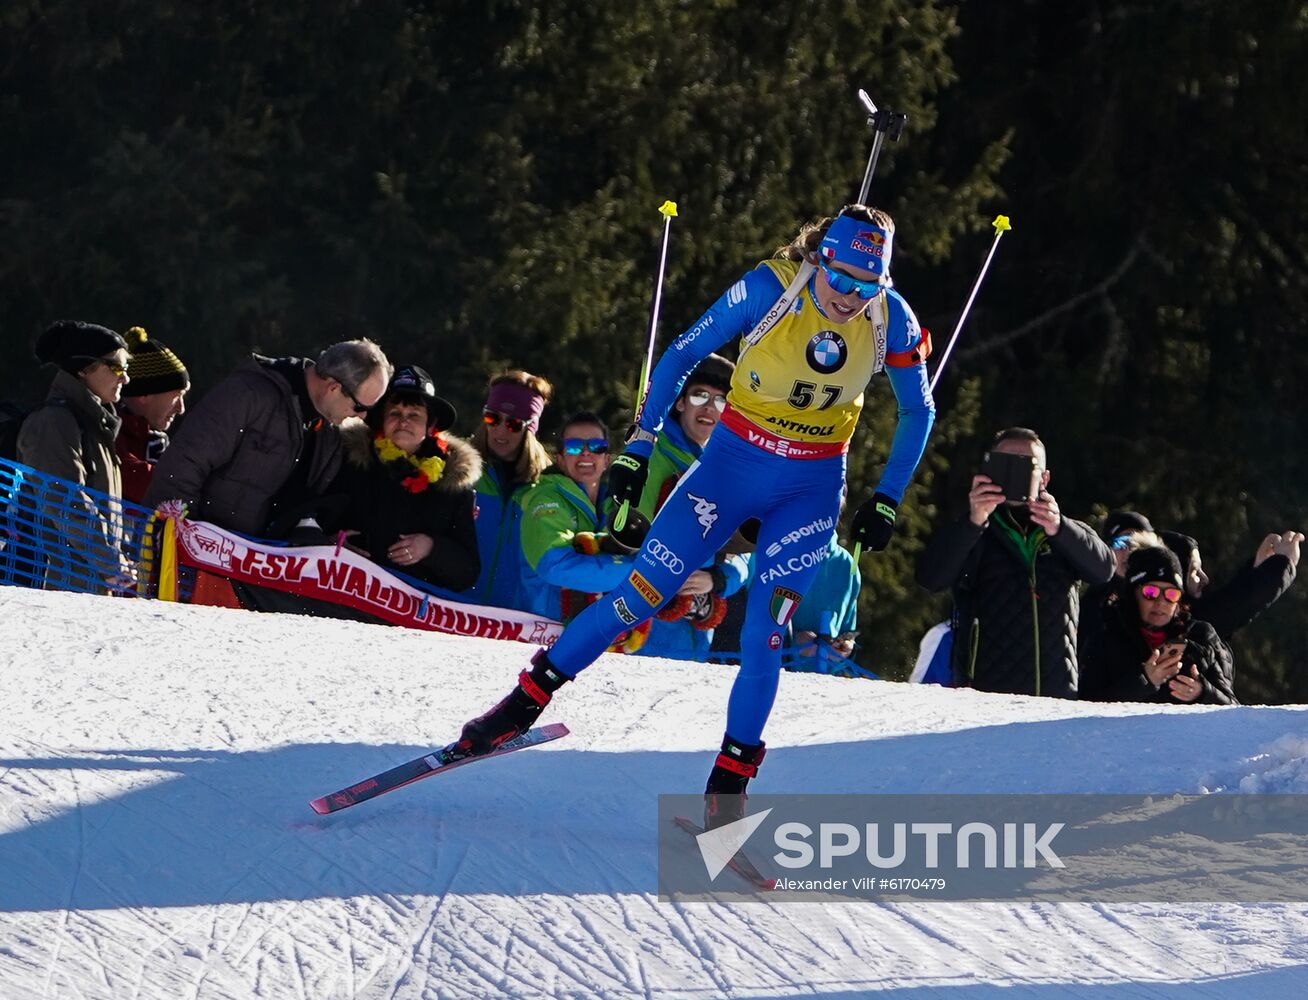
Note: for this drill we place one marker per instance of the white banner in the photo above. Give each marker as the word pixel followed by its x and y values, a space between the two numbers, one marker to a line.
pixel 344 577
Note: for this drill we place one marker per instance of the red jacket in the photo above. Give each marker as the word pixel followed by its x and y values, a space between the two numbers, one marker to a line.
pixel 133 445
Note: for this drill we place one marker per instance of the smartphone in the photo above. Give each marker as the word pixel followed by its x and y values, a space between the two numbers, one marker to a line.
pixel 1017 475
pixel 1170 648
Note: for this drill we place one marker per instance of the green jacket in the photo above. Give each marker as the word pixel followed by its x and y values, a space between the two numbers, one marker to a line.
pixel 673 454
pixel 553 514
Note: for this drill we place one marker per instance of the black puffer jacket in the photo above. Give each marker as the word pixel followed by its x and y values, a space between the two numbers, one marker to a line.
pixel 381 508
pixel 1241 599
pixel 241 450
pixel 1113 656
pixel 1015 616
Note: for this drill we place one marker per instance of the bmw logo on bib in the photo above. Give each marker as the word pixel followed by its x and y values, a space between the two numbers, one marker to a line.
pixel 827 352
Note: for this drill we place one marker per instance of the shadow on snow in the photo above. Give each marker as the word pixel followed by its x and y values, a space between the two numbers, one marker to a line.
pixel 204 827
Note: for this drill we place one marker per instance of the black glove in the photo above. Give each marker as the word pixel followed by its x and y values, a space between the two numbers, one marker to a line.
pixel 627 478
pixel 874 522
pixel 629 540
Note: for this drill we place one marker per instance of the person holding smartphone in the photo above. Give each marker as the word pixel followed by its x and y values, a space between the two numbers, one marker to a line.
pixel 1013 564
pixel 1148 648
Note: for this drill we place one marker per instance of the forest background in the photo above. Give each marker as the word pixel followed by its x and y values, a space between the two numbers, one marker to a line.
pixel 475 185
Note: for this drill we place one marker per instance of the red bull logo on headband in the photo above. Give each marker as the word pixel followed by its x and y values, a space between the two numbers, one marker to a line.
pixel 858 243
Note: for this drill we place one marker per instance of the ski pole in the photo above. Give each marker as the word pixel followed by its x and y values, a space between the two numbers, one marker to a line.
pixel 1002 226
pixel 669 212
pixel 882 123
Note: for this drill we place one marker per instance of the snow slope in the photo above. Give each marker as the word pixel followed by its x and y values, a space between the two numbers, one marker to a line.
pixel 155 842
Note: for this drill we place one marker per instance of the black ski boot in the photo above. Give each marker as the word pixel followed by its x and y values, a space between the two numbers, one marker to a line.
pixel 518 712
pixel 724 796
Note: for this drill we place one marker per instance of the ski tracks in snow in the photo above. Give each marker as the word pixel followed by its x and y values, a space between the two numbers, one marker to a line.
pixel 174 855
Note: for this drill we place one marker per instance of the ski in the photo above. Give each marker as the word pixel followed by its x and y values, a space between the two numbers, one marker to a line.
pixel 740 863
pixel 425 766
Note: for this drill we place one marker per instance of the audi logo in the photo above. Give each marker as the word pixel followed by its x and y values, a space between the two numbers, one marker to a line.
pixel 666 557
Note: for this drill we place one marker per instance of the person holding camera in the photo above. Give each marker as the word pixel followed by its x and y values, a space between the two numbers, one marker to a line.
pixel 1013 564
pixel 1148 648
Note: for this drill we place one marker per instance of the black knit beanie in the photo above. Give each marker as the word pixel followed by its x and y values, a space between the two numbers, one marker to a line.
pixel 1183 545
pixel 74 345
pixel 152 367
pixel 1154 565
pixel 1121 522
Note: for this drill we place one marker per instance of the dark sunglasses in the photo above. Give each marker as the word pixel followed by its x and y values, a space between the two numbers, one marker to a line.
pixel 1151 592
pixel 358 407
pixel 113 366
pixel 494 419
pixel 843 284
pixel 698 397
pixel 575 446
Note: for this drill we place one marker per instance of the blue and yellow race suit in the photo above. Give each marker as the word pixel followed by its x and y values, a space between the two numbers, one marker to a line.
pixel 778 455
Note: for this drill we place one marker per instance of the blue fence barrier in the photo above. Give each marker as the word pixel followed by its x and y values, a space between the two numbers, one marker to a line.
pixel 57 535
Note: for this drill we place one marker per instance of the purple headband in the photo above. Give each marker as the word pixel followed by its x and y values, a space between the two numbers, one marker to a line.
pixel 516 400
pixel 858 244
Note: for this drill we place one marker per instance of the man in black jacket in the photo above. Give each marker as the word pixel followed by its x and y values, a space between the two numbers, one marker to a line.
pixel 1255 587
pixel 264 442
pixel 261 448
pixel 1014 567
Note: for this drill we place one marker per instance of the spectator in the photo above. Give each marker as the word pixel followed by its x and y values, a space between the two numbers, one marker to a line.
pixel 152 399
pixel 264 444
pixel 1013 568
pixel 828 616
pixel 562 523
pixel 513 460
pixel 71 436
pixel 684 627
pixel 1148 649
pixel 680 442
pixel 1254 588
pixel 1124 531
pixel 411 487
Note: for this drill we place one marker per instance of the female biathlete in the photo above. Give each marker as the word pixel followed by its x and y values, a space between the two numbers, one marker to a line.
pixel 818 322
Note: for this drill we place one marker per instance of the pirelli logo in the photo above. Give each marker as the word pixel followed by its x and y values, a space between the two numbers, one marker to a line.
pixel 646 590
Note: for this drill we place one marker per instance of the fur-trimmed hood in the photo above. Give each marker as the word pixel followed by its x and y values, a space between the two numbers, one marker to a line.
pixel 462 461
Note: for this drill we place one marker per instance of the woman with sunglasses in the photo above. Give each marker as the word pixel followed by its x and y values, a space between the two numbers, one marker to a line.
pixel 513 460
pixel 817 322
pixel 1148 648
pixel 71 435
pixel 563 518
